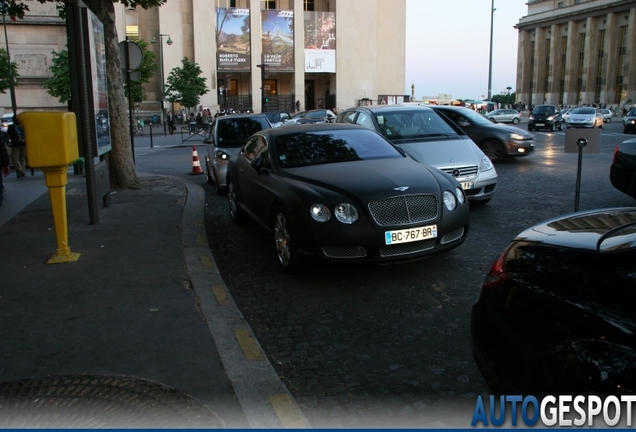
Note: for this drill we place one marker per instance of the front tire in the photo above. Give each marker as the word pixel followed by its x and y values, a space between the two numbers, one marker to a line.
pixel 515 121
pixel 492 149
pixel 285 244
pixel 237 214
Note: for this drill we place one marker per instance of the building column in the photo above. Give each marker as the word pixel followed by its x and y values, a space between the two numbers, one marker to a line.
pixel 538 72
pixel 570 96
pixel 299 53
pixel 523 68
pixel 555 65
pixel 590 62
pixel 611 68
pixel 256 27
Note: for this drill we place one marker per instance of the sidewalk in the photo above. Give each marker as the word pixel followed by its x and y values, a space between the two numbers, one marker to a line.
pixel 140 331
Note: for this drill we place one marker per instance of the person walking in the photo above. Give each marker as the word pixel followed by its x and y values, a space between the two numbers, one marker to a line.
pixel 15 140
pixel 170 121
pixel 193 123
pixel 205 119
pixel 4 165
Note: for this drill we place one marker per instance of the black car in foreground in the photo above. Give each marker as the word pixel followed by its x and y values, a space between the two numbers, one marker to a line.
pixel 557 311
pixel 345 194
pixel 623 168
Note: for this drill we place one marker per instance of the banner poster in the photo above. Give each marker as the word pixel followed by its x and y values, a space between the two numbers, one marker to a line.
pixel 97 56
pixel 277 40
pixel 320 42
pixel 233 40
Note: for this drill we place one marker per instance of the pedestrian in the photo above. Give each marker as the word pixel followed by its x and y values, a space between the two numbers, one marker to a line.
pixel 170 121
pixel 193 123
pixel 205 119
pixel 297 105
pixel 4 164
pixel 199 122
pixel 15 140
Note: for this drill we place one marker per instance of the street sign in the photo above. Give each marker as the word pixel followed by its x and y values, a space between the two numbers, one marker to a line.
pixel 135 54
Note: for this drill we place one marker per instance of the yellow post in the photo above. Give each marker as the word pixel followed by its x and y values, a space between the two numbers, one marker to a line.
pixel 51 144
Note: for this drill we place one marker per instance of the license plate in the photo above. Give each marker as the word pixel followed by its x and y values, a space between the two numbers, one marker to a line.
pixel 466 185
pixel 539 124
pixel 410 235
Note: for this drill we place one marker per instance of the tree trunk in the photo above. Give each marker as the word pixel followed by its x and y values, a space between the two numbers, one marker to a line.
pixel 122 166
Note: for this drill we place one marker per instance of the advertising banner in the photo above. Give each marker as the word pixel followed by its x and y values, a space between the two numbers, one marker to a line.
pixel 320 42
pixel 233 40
pixel 277 40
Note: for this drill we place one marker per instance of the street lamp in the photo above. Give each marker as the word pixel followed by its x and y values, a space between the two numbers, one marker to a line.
pixel 163 86
pixel 492 15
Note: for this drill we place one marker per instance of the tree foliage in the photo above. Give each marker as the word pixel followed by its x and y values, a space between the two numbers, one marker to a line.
pixel 4 75
pixel 185 85
pixel 146 71
pixel 59 84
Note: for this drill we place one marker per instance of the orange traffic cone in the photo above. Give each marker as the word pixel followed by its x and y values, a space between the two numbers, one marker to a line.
pixel 196 165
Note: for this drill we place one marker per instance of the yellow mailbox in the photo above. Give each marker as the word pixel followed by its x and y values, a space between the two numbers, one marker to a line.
pixel 51 145
pixel 51 138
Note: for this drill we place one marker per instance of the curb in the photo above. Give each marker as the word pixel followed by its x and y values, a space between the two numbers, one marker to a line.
pixel 265 400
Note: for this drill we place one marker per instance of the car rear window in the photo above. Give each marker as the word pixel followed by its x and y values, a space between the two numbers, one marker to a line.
pixel 301 149
pixel 233 132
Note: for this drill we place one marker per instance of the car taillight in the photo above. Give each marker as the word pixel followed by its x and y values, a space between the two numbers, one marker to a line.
pixel 615 154
pixel 497 274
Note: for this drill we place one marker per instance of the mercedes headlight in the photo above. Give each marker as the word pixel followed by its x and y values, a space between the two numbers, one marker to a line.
pixel 486 164
pixel 516 136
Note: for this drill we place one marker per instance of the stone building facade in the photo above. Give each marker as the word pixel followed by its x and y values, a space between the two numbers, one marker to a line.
pixel 577 52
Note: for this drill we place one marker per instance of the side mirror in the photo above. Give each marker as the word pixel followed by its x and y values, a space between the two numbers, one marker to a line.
pixel 258 164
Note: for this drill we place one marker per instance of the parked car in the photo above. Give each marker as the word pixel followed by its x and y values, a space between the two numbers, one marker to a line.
pixel 545 117
pixel 504 116
pixel 227 135
pixel 623 168
pixel 345 194
pixel 629 121
pixel 276 118
pixel 311 116
pixel 607 115
pixel 432 140
pixel 7 120
pixel 557 310
pixel 495 140
pixel 565 114
pixel 585 117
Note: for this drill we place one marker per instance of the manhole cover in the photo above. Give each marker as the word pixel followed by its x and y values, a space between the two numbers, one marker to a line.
pixel 100 402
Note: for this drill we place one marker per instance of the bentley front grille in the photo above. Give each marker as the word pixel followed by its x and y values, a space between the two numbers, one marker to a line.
pixel 344 252
pixel 404 209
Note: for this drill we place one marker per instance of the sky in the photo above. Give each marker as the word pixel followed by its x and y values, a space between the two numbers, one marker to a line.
pixel 448 47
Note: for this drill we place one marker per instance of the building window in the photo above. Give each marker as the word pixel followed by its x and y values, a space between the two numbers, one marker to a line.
pixel 560 4
pixel 268 4
pixel 531 83
pixel 309 5
pixel 564 58
pixel 547 71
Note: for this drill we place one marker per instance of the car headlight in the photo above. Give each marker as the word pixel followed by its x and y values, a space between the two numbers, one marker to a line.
pixel 550 118
pixel 459 192
pixel 222 155
pixel 530 117
pixel 449 200
pixel 346 213
pixel 320 212
pixel 516 136
pixel 486 164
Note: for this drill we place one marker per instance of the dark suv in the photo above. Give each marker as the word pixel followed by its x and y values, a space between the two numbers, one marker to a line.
pixel 545 117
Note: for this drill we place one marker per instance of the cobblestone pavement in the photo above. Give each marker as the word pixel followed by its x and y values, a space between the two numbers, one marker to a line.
pixel 389 346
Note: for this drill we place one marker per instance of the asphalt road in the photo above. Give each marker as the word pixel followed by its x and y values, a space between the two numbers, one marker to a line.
pixel 389 346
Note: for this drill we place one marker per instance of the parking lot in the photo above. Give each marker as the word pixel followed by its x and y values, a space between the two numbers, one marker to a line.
pixel 389 346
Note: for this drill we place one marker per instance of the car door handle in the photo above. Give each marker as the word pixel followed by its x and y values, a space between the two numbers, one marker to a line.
pixel 241 170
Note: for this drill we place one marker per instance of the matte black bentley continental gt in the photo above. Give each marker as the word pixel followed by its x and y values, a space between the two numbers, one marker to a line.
pixel 344 193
